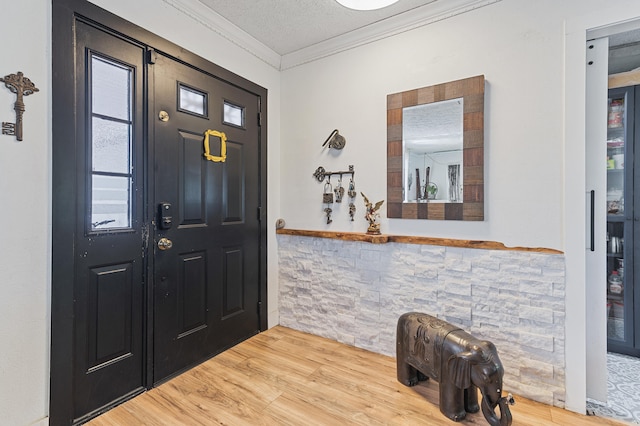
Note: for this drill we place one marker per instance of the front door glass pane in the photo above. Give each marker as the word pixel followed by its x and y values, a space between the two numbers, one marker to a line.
pixel 111 89
pixel 111 200
pixel 233 114
pixel 111 144
pixel 193 101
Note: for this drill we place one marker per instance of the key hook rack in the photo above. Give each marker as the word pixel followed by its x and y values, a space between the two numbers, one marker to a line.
pixel 321 173
pixel 331 195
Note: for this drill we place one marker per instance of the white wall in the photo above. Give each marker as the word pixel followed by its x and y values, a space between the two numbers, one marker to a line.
pixel 517 45
pixel 25 185
pixel 532 56
pixel 25 215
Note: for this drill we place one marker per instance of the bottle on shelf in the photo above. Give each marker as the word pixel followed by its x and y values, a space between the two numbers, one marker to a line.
pixel 616 113
pixel 615 283
pixel 615 153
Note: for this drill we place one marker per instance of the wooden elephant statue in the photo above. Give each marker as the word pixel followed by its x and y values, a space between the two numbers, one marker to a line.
pixel 428 347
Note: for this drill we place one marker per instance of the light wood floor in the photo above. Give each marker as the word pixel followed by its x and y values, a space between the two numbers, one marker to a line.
pixel 285 377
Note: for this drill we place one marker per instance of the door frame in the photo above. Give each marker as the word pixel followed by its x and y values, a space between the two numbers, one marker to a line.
pixel 64 190
pixel 596 94
pixel 577 30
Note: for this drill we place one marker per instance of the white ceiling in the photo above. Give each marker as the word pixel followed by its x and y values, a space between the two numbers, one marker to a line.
pixel 287 33
pixel 287 26
pixel 433 127
pixel 624 51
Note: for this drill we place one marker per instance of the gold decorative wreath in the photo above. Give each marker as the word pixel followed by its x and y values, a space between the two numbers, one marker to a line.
pixel 223 146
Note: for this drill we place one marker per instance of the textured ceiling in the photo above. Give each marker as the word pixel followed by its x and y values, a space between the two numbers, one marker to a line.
pixel 433 127
pixel 287 26
pixel 624 53
pixel 625 38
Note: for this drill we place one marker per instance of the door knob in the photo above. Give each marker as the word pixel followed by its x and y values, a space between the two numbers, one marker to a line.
pixel 165 244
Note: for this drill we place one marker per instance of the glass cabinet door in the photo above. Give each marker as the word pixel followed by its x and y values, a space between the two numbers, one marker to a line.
pixel 619 215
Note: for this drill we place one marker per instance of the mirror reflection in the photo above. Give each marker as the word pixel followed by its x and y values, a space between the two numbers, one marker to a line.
pixel 432 142
pixel 435 151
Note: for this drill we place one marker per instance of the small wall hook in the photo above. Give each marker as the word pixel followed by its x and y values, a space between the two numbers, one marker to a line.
pixel 335 140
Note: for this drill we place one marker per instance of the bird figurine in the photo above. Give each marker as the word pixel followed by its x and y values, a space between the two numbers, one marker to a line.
pixel 372 215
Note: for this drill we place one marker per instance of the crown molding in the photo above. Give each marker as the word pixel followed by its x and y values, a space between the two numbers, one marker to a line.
pixel 421 16
pixel 223 27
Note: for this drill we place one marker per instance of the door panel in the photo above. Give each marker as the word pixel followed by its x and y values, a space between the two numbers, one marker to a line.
pixel 110 304
pixel 595 153
pixel 109 267
pixel 192 180
pixel 207 285
pixel 233 286
pixel 233 195
pixel 192 293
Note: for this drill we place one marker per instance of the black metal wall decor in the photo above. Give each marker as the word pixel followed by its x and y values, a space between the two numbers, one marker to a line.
pixel 21 86
pixel 335 140
pixel 321 173
pixel 329 192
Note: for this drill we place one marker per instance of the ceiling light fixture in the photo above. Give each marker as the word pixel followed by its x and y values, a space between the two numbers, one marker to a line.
pixel 366 4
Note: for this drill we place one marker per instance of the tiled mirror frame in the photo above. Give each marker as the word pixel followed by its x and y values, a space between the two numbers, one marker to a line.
pixel 472 207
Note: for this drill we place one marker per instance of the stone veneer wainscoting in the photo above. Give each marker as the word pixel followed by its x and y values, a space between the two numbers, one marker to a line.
pixel 354 292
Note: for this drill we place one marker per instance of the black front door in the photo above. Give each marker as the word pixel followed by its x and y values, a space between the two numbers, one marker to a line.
pixel 109 281
pixel 158 244
pixel 207 225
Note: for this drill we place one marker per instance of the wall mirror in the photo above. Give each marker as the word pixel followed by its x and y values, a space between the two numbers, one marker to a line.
pixel 435 152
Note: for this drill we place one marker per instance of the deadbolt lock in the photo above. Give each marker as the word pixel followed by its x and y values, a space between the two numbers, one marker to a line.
pixel 165 243
pixel 163 116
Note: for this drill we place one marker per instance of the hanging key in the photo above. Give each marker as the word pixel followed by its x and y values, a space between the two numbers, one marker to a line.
pixel 21 86
pixel 328 212
pixel 352 210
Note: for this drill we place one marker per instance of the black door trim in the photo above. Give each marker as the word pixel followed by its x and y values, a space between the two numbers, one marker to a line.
pixel 65 14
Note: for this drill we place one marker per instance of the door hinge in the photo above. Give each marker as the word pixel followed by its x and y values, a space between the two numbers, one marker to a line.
pixel 259 214
pixel 151 56
pixel 259 119
pixel 260 308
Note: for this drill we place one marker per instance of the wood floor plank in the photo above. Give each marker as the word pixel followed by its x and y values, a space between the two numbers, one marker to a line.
pixel 230 358
pixel 292 410
pixel 391 396
pixel 286 377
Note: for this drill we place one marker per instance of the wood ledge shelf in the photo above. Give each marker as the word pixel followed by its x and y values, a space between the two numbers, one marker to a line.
pixel 407 239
